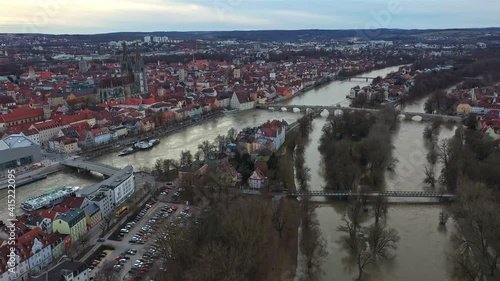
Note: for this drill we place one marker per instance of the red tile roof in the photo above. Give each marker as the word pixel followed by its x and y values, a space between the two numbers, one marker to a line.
pixel 50 214
pixel 21 113
pixel 72 202
pixel 50 124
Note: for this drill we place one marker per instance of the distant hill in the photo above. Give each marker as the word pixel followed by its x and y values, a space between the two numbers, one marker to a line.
pixel 295 35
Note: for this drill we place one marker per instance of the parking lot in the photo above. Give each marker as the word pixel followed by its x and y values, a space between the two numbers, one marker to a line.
pixel 138 239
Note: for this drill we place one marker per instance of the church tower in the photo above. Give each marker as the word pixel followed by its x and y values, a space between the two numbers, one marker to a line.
pixel 140 81
pixel 46 111
pixel 31 73
pixel 126 66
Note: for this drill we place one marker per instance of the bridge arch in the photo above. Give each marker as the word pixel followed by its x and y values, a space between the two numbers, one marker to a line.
pixel 271 108
pixel 284 109
pixel 325 113
pixel 417 118
pixel 309 110
pixel 338 112
pixel 401 116
pixel 296 109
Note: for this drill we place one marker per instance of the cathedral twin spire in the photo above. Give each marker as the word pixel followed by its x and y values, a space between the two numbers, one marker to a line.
pixel 126 64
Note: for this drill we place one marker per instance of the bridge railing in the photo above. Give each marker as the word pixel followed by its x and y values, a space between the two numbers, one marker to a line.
pixel 374 194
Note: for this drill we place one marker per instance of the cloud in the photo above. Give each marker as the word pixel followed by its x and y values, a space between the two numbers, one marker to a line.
pixel 91 16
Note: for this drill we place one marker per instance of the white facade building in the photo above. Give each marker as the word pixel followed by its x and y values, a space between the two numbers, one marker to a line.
pixel 41 256
pixel 111 192
pixel 242 101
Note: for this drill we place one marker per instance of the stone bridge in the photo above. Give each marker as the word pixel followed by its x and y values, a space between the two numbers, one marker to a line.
pixel 416 116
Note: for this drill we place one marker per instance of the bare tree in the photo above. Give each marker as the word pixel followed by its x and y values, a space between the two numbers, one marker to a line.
pixel 106 272
pixel 430 178
pixel 205 148
pixel 381 241
pixel 379 209
pixel 366 245
pixel 312 243
pixel 464 265
pixel 478 225
pixel 186 158
pixel 444 152
pixel 278 216
pixel 352 218
pixel 232 134
pixel 443 218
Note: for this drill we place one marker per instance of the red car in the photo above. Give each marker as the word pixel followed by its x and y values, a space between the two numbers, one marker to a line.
pixel 173 208
pixel 118 258
pixel 169 187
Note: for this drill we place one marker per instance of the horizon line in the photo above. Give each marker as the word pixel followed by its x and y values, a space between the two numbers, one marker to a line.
pixel 253 30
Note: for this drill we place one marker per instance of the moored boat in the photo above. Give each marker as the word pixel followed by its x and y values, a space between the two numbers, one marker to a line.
pixel 143 145
pixel 49 198
pixel 128 151
pixel 230 111
pixel 154 142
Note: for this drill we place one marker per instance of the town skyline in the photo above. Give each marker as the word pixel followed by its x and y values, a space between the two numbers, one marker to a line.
pixel 95 17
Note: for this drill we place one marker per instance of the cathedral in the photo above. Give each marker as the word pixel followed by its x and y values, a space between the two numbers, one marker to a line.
pixel 131 82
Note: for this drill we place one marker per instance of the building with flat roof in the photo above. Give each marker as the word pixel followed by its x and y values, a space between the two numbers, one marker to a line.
pixel 18 150
pixel 118 187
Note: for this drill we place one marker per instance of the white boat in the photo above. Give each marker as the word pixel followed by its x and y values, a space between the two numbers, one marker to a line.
pixel 230 111
pixel 143 145
pixel 154 142
pixel 49 198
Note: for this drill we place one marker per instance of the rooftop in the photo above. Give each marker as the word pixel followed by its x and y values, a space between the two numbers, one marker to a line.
pixel 16 141
pixel 57 273
pixel 112 182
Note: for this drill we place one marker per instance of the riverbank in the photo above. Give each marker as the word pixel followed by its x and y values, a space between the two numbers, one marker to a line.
pixel 317 85
pixel 27 176
pixel 282 250
pixel 158 133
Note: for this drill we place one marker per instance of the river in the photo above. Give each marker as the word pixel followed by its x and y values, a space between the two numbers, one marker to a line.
pixel 422 250
pixel 169 147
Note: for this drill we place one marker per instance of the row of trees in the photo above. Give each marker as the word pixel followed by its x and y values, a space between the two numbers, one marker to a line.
pixel 431 138
pixel 357 144
pixel 299 144
pixel 226 243
pixel 433 83
pixel 312 244
pixel 167 169
pixel 469 154
pixel 440 103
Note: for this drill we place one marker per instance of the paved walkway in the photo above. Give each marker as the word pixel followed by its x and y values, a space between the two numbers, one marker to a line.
pixel 23 175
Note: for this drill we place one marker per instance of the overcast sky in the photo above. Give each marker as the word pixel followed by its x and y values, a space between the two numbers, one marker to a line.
pixel 101 16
